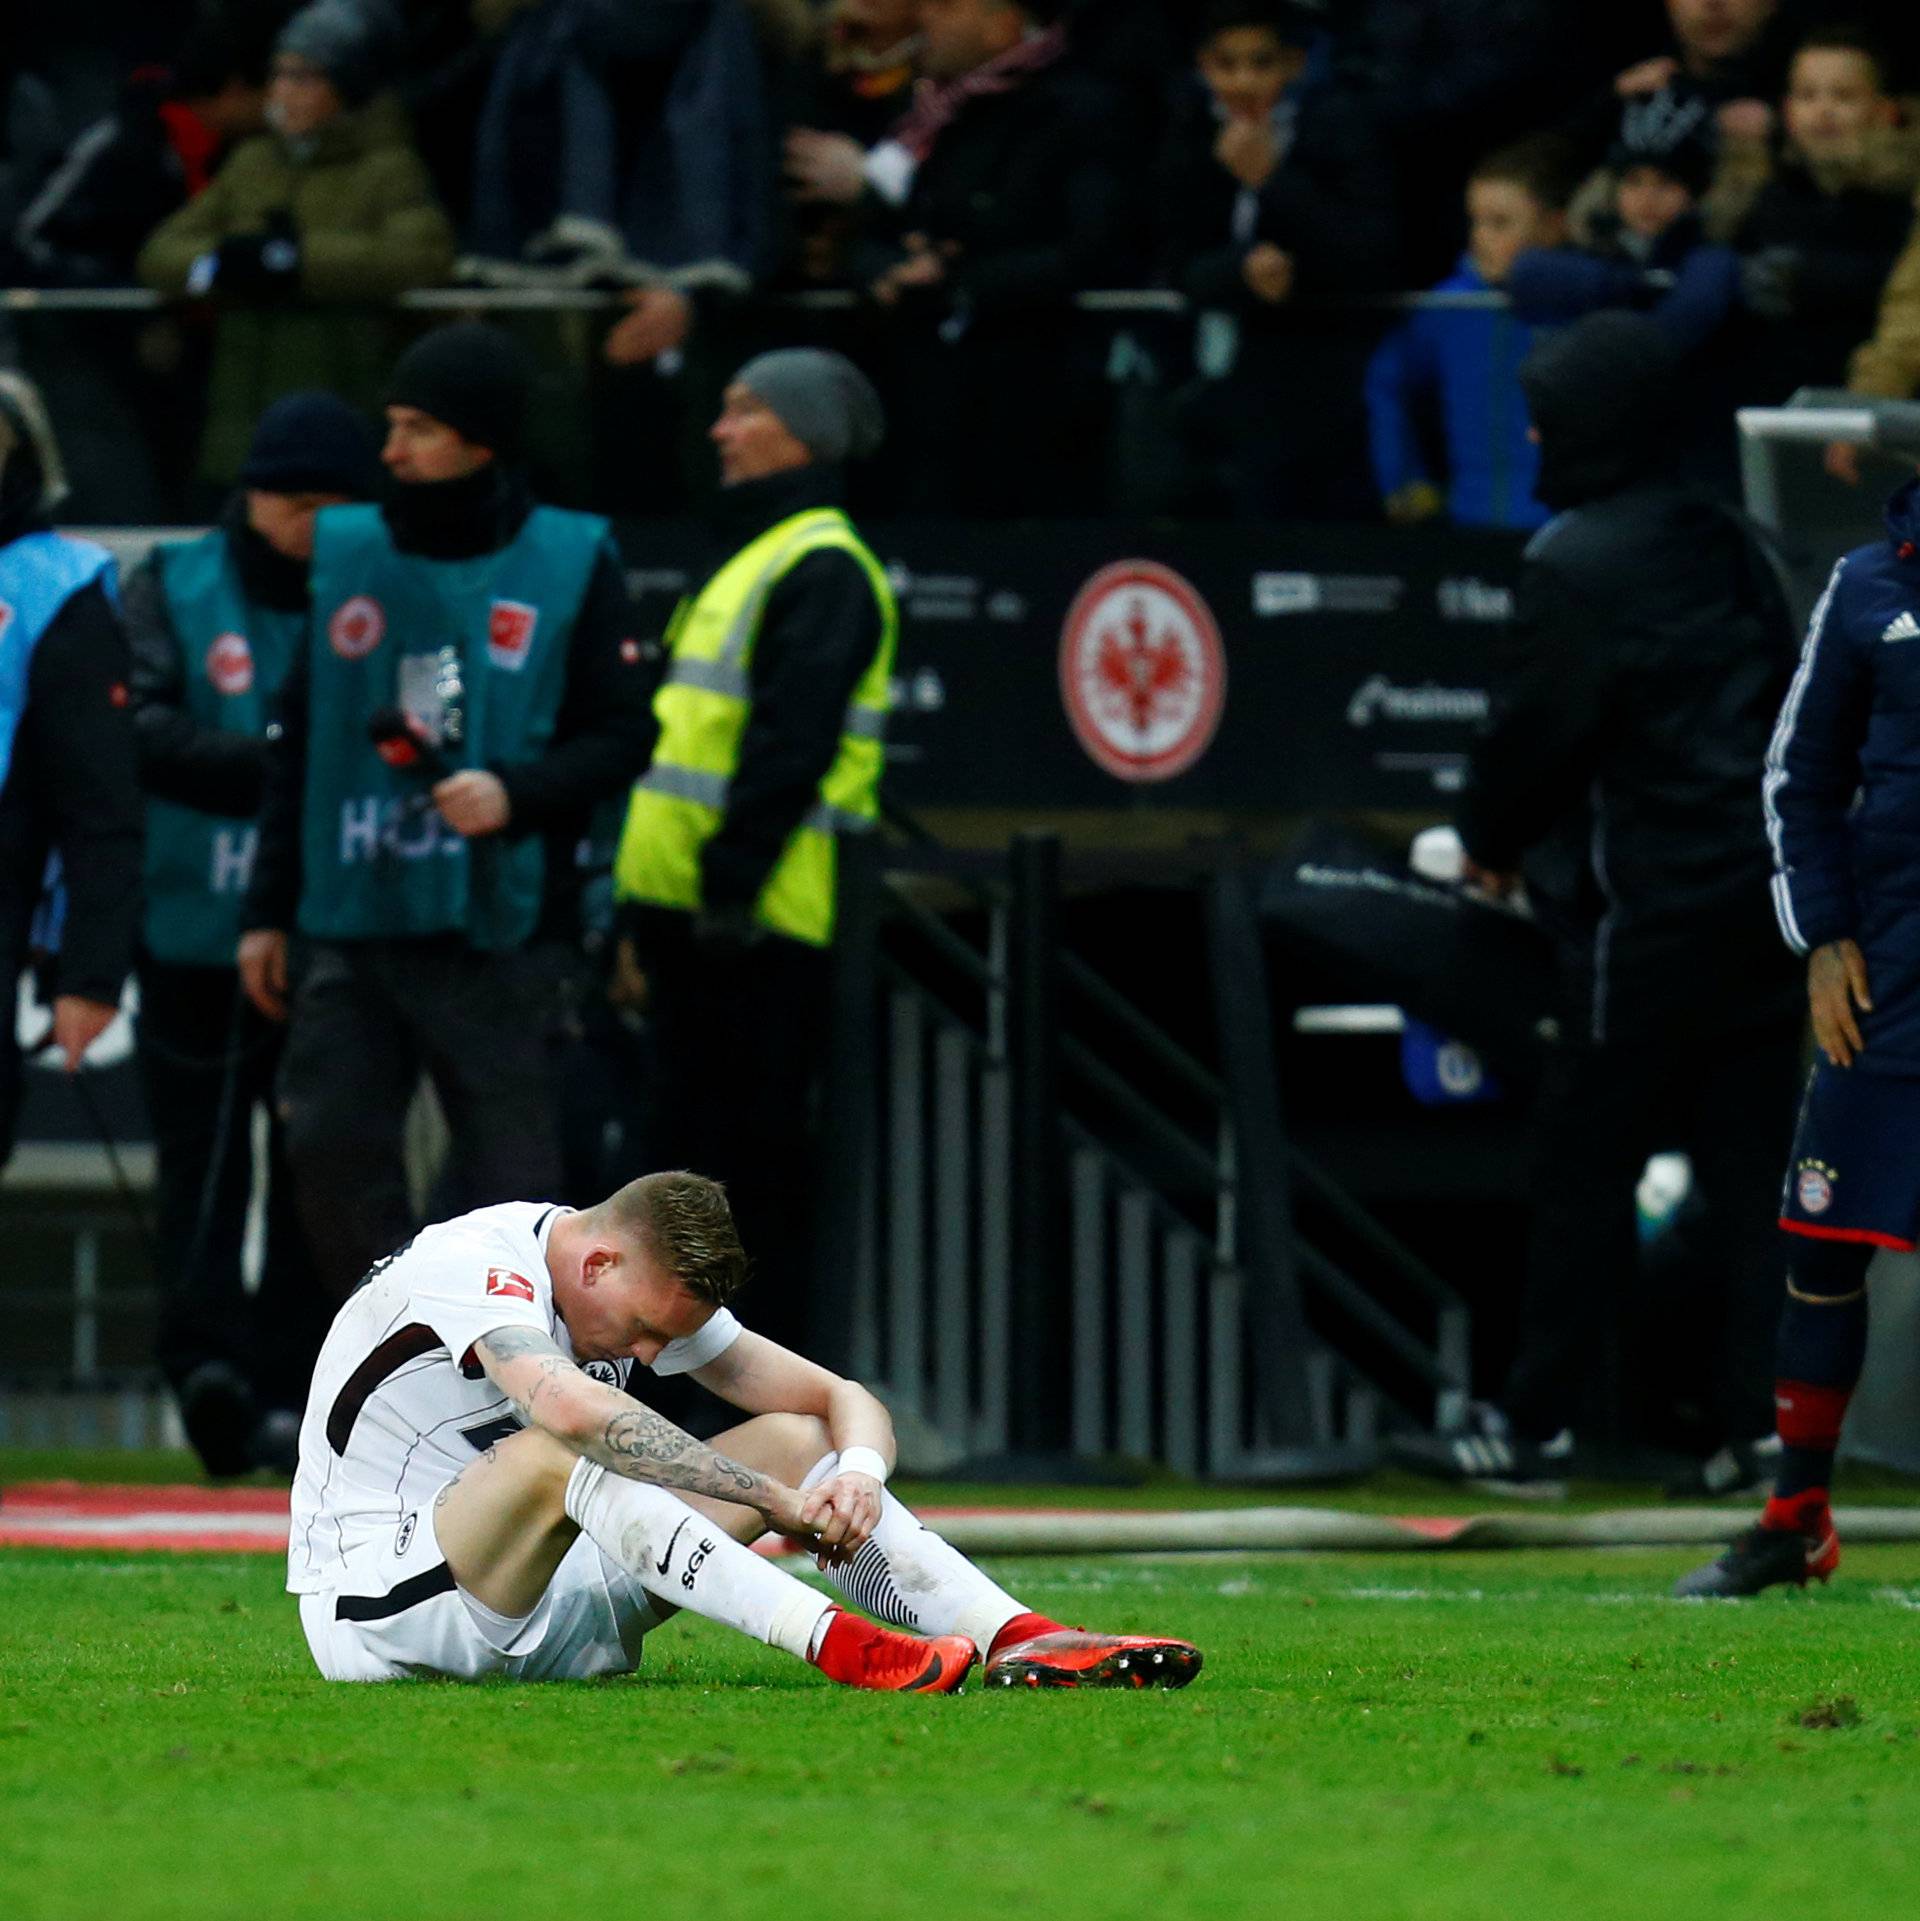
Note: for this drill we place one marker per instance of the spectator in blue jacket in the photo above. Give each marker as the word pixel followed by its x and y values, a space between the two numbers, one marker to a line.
pixel 1463 365
pixel 1648 251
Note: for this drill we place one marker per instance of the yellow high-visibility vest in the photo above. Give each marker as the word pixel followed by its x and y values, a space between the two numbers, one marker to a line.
pixel 702 708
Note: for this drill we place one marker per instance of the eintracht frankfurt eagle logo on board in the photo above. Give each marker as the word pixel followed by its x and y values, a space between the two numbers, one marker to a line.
pixel 1142 671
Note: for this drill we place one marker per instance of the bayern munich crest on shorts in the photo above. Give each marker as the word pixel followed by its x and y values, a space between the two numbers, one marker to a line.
pixel 230 664
pixel 1142 671
pixel 1813 1189
pixel 357 627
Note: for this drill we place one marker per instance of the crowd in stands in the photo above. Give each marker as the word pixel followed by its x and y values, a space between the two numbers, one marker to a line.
pixel 957 171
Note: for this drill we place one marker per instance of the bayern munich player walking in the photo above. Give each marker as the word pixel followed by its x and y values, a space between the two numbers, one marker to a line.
pixel 478 1494
pixel 1842 797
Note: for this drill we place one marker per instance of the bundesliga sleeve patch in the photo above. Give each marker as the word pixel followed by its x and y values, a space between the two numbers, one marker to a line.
pixel 503 1280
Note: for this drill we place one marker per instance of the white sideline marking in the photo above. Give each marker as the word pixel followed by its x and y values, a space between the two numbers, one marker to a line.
pixel 264 1527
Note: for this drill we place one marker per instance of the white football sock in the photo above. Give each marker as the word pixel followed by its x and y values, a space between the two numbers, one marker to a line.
pixel 907 1576
pixel 677 1554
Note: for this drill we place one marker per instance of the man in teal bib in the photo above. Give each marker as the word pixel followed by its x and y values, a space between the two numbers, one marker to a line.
pixel 771 715
pixel 214 625
pixel 398 888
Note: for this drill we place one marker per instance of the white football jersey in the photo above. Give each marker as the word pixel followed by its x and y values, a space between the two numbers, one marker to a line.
pixel 399 1404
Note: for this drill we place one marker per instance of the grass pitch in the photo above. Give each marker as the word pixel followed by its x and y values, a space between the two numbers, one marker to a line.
pixel 1405 1738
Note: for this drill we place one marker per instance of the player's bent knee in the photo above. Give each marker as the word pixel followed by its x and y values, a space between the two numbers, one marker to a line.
pixel 534 1454
pixel 787 1445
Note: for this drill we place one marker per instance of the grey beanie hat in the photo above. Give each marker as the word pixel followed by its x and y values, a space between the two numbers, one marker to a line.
pixel 825 400
pixel 350 41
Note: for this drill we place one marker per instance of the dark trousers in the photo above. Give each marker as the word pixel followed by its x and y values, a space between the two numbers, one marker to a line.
pixel 368 1019
pixel 206 1069
pixel 741 1038
pixel 1728 1101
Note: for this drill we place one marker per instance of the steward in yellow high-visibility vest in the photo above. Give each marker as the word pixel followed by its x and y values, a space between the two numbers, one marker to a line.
pixel 770 713
pixel 774 700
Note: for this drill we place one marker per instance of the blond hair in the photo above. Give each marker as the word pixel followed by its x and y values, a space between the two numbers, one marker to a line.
pixel 684 1222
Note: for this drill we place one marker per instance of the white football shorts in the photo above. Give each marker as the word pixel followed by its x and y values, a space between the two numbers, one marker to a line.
pixel 397 1612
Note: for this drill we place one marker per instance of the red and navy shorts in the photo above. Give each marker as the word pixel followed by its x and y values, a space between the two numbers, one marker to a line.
pixel 1854 1174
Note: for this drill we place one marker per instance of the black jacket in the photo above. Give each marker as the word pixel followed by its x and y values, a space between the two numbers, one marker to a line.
pixel 602 737
pixel 1758 74
pixel 73 788
pixel 1621 769
pixel 1330 204
pixel 1829 256
pixel 118 181
pixel 1031 188
pixel 181 759
pixel 817 638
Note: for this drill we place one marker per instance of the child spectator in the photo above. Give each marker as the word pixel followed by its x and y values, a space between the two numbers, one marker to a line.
pixel 1463 365
pixel 1648 250
pixel 1276 204
pixel 1821 237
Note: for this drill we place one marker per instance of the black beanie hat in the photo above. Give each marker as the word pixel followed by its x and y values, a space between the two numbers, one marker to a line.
pixel 470 377
pixel 1675 136
pixel 312 443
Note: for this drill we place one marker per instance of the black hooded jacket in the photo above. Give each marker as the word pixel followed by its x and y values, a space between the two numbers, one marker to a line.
pixel 73 788
pixel 1621 768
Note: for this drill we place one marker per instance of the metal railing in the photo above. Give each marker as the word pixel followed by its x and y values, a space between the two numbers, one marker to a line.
pixel 1070 1246
pixel 76 1374
pixel 1120 301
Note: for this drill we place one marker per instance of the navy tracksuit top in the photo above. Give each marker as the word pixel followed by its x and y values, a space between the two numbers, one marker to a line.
pixel 1842 787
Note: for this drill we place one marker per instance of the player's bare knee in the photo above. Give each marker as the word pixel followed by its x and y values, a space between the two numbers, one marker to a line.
pixel 528 1467
pixel 786 1445
pixel 552 1460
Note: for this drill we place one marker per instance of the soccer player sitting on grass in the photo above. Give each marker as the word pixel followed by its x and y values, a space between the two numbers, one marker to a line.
pixel 476 1494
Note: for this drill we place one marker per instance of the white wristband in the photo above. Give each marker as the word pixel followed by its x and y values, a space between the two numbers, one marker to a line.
pixel 863 1460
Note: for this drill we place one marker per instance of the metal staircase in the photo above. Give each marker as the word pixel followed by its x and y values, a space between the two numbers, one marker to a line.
pixel 1057 1231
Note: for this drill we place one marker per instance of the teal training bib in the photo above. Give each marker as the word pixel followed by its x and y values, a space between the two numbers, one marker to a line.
pixel 235 655
pixel 477 649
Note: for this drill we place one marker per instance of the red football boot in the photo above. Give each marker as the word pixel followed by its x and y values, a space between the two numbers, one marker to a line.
pixel 1075 1658
pixel 859 1653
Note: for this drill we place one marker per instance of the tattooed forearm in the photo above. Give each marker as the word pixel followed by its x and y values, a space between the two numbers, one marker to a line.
pixel 527 1367
pixel 549 1391
pixel 552 1371
pixel 508 1343
pixel 644 1446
